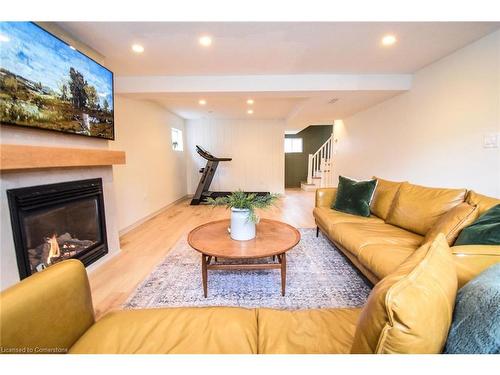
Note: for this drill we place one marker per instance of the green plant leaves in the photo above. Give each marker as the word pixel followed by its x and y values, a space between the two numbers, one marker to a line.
pixel 242 200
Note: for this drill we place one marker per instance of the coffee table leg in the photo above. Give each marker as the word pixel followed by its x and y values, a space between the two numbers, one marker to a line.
pixel 283 273
pixel 204 273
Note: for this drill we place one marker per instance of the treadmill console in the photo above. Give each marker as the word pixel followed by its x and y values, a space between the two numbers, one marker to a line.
pixel 204 153
pixel 208 156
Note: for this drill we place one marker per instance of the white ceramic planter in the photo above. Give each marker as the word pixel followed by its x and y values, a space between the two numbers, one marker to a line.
pixel 242 228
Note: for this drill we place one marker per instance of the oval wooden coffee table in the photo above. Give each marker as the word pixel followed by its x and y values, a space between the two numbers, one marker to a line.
pixel 273 239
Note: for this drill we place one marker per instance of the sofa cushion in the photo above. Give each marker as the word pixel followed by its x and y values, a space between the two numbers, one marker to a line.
pixel 354 236
pixel 382 260
pixel 471 260
pixel 48 311
pixel 483 202
pixel 410 311
pixel 484 231
pixel 452 222
pixel 306 331
pixel 207 330
pixel 326 217
pixel 476 320
pixel 354 197
pixel 383 198
pixel 417 208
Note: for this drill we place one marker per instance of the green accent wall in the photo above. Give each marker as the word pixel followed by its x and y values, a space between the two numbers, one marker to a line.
pixel 313 138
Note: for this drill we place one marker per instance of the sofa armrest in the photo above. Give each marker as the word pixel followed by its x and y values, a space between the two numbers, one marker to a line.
pixel 46 312
pixel 325 197
pixel 471 260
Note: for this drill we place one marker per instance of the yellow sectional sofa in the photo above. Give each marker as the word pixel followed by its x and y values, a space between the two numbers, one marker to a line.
pixel 408 312
pixel 403 248
pixel 404 216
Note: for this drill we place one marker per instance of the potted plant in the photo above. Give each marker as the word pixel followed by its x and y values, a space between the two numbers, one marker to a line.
pixel 243 216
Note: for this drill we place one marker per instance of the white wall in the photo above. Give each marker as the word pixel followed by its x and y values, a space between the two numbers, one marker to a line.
pixel 433 134
pixel 155 175
pixel 256 147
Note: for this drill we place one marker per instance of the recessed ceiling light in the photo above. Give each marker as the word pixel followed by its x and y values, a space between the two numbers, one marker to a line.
pixel 137 48
pixel 202 101
pixel 250 101
pixel 4 38
pixel 389 40
pixel 250 111
pixel 205 41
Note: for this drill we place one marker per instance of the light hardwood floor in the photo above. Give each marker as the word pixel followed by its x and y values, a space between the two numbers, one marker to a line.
pixel 146 245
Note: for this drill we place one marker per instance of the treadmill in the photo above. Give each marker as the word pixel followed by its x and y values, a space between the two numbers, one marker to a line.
pixel 207 175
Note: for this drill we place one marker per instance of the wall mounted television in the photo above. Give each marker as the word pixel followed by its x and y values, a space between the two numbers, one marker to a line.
pixel 45 83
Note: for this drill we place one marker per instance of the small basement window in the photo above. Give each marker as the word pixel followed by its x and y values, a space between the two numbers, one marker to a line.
pixel 177 144
pixel 293 145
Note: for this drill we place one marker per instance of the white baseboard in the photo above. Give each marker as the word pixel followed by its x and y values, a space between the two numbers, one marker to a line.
pixel 150 216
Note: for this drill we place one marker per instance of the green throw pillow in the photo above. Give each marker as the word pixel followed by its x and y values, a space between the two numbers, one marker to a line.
pixel 484 231
pixel 354 197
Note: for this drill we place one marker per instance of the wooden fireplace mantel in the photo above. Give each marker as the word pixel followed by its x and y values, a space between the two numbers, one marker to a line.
pixel 23 157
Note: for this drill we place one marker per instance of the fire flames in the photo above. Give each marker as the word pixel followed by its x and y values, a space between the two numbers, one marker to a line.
pixel 54 251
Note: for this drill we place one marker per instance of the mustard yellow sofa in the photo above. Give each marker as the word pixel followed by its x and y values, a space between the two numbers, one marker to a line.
pixel 409 311
pixel 404 216
pixel 403 248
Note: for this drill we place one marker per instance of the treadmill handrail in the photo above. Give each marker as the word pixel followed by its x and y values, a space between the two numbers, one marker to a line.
pixel 208 156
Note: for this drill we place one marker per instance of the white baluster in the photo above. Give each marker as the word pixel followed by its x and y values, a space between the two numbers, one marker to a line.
pixel 309 169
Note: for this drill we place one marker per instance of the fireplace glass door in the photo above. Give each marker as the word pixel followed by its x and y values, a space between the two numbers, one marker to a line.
pixel 61 232
pixel 55 222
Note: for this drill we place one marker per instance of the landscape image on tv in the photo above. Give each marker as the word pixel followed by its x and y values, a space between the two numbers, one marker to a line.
pixel 45 83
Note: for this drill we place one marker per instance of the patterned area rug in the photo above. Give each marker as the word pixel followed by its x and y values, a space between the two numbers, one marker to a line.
pixel 318 276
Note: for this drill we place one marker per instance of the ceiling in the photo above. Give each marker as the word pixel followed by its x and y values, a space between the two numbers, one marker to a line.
pixel 251 49
pixel 319 109
pixel 295 107
pixel 172 48
pixel 222 106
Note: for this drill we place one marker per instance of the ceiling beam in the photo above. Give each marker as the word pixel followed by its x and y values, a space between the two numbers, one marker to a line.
pixel 262 83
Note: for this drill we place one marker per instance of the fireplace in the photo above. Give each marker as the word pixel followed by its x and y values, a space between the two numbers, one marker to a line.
pixel 51 223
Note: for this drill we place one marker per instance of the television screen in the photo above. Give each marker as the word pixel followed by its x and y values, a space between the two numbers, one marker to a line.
pixel 45 83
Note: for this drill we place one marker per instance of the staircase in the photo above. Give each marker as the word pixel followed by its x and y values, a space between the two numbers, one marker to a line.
pixel 320 167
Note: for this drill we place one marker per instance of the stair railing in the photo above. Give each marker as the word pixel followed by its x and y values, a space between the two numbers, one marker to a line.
pixel 320 164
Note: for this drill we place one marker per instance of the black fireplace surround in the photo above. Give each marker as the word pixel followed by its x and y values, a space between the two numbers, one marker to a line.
pixel 51 223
